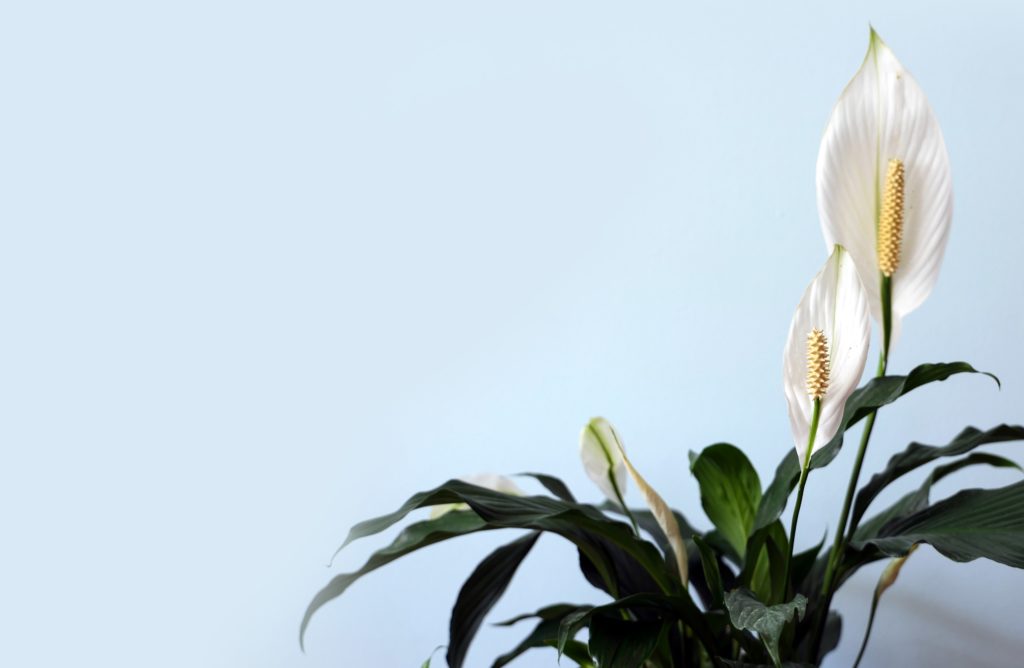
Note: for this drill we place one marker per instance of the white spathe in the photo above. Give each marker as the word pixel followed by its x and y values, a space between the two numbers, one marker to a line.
pixel 600 442
pixel 883 114
pixel 602 458
pixel 835 302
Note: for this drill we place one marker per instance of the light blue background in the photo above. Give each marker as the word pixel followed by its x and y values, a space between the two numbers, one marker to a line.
pixel 267 268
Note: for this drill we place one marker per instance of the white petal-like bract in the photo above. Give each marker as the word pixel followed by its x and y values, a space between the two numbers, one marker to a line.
pixel 881 115
pixel 602 460
pixel 836 304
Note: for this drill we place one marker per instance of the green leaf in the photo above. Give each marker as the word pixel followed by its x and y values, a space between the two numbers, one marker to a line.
pixel 712 574
pixel 748 613
pixel 765 566
pixel 916 455
pixel 803 562
pixel 918 499
pixel 544 634
pixel 426 664
pixel 481 591
pixel 870 397
pixel 583 525
pixel 618 643
pixel 412 538
pixel 730 491
pixel 974 523
pixel 669 608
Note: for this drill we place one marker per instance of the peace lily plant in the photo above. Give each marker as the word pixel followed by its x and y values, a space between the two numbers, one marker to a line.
pixel 740 594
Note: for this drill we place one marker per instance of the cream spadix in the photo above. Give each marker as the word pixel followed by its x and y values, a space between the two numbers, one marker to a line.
pixel 825 351
pixel 884 186
pixel 599 436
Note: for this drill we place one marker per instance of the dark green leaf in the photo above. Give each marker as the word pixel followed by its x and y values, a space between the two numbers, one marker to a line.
pixel 618 643
pixel 412 538
pixel 712 574
pixel 481 591
pixel 730 491
pixel 971 524
pixel 916 455
pixel 870 397
pixel 544 634
pixel 553 485
pixel 803 562
pixel 918 499
pixel 583 525
pixel 748 613
pixel 670 608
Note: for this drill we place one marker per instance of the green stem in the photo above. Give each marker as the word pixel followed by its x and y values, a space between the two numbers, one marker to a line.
pixel 839 545
pixel 800 491
pixel 867 631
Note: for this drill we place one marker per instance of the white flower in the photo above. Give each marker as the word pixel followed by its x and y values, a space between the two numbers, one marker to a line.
pixel 884 186
pixel 602 459
pixel 833 312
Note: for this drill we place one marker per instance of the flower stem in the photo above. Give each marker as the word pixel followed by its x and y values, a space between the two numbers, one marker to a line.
pixel 805 469
pixel 839 545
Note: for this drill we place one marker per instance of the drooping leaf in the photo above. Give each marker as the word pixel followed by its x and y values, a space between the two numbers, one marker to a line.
pixel 495 510
pixel 481 591
pixel 730 491
pixel 919 498
pixel 412 538
pixel 917 455
pixel 974 523
pixel 746 612
pixel 619 643
pixel 870 397
pixel 623 576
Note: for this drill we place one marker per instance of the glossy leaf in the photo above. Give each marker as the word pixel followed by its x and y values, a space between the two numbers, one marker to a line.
pixel 553 485
pixel 748 613
pixel 481 591
pixel 730 491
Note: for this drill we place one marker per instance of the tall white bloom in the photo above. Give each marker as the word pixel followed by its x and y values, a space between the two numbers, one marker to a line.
pixel 605 461
pixel 825 351
pixel 884 185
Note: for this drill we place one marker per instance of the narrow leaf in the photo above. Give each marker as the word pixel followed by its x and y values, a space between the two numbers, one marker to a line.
pixel 481 591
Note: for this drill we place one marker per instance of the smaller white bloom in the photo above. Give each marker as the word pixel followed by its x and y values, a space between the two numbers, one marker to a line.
pixel 602 459
pixel 835 308
pixel 494 481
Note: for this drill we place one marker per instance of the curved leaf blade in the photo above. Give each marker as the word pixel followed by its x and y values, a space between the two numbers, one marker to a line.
pixel 969 525
pixel 730 491
pixel 481 591
pixel 748 613
pixel 917 455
